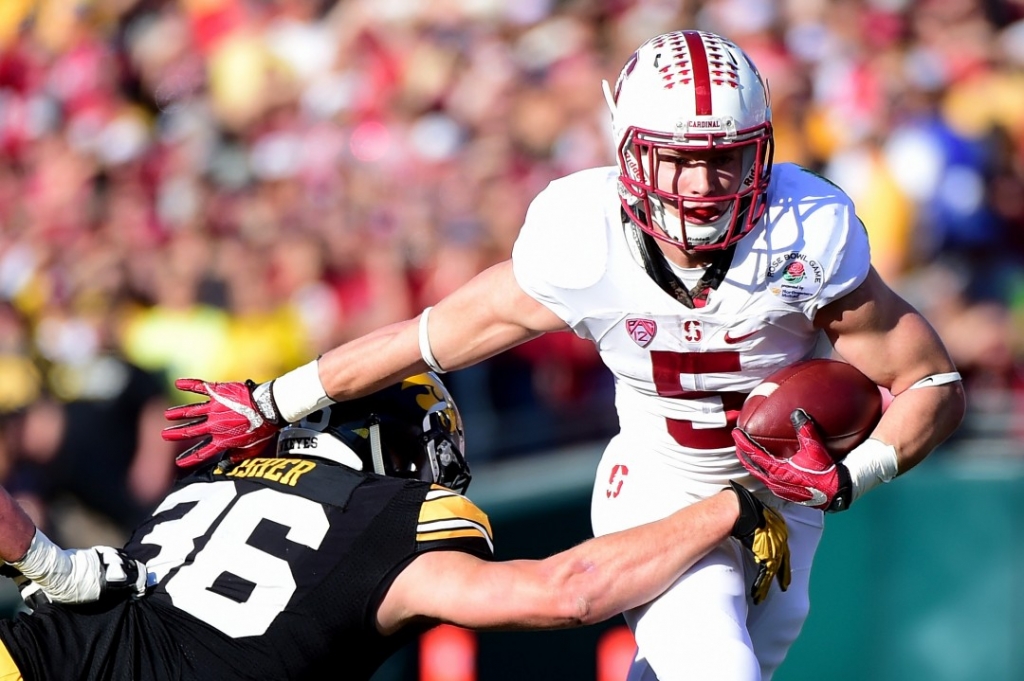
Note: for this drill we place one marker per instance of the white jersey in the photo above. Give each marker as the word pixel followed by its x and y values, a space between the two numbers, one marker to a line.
pixel 681 374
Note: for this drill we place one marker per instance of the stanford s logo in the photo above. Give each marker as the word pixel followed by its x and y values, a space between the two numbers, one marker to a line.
pixel 642 331
pixel 693 330
pixel 615 480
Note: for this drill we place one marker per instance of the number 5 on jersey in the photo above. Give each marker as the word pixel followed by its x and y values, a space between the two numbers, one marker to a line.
pixel 667 370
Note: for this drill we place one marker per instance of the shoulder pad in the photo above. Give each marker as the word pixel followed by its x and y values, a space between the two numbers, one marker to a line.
pixel 817 246
pixel 564 240
pixel 446 515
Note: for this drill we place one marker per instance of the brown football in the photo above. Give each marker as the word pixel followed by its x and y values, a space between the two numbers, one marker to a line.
pixel 844 403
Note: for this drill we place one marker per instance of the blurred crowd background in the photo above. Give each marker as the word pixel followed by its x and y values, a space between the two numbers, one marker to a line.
pixel 226 188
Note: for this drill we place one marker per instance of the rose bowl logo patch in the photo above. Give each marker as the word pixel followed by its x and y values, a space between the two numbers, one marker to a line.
pixel 641 331
pixel 794 277
pixel 794 273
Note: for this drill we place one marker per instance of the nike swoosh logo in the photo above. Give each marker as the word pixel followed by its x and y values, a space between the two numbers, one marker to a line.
pixel 736 339
pixel 255 420
pixel 817 497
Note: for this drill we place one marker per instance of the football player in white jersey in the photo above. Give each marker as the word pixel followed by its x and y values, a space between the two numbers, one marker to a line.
pixel 697 268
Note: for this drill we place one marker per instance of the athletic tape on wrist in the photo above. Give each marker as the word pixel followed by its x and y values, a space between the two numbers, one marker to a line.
pixel 300 392
pixel 44 563
pixel 870 464
pixel 425 352
pixel 936 380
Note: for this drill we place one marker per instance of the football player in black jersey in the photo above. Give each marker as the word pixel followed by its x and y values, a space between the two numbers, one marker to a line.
pixel 349 543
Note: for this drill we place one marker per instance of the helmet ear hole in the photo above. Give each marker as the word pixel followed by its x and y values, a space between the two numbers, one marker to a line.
pixel 318 419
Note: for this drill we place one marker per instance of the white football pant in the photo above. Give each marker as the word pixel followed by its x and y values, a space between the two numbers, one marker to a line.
pixel 705 627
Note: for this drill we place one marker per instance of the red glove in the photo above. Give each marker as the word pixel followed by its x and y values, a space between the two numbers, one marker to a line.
pixel 810 477
pixel 233 418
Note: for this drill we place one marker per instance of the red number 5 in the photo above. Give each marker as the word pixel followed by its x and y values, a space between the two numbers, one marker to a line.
pixel 667 369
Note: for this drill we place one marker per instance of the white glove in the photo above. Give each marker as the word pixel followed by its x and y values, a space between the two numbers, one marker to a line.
pixel 79 575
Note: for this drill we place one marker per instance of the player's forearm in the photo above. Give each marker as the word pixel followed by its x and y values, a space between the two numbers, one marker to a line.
pixel 376 360
pixel 605 576
pixel 392 353
pixel 919 420
pixel 16 529
pixel 488 315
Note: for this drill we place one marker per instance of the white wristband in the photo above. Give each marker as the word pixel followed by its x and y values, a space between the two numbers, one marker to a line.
pixel 43 560
pixel 64 576
pixel 300 392
pixel 870 463
pixel 425 352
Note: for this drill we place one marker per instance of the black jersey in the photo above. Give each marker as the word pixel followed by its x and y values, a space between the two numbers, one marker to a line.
pixel 272 569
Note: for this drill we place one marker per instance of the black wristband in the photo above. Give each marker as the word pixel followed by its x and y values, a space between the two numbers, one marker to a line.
pixel 751 512
pixel 844 495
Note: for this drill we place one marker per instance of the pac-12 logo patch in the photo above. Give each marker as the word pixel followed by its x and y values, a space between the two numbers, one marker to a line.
pixel 641 331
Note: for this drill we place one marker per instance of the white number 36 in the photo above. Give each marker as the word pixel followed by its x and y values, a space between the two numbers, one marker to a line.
pixel 228 521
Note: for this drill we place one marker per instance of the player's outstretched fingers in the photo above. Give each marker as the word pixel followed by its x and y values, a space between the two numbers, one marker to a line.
pixel 185 411
pixel 184 431
pixel 196 454
pixel 192 385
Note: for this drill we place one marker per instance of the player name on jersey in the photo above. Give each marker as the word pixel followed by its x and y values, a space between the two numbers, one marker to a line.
pixel 284 471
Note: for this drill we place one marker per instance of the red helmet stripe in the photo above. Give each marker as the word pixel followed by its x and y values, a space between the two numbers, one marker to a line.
pixel 701 76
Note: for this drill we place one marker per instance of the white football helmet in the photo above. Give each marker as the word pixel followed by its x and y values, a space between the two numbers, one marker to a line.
pixel 686 91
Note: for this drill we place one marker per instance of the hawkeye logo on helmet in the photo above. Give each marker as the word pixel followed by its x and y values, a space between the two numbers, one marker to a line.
pixel 434 400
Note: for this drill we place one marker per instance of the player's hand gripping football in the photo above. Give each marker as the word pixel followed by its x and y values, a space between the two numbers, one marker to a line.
pixel 810 477
pixel 237 416
pixel 763 531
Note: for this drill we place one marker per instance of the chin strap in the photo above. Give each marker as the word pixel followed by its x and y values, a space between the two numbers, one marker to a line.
pixel 658 269
pixel 375 449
